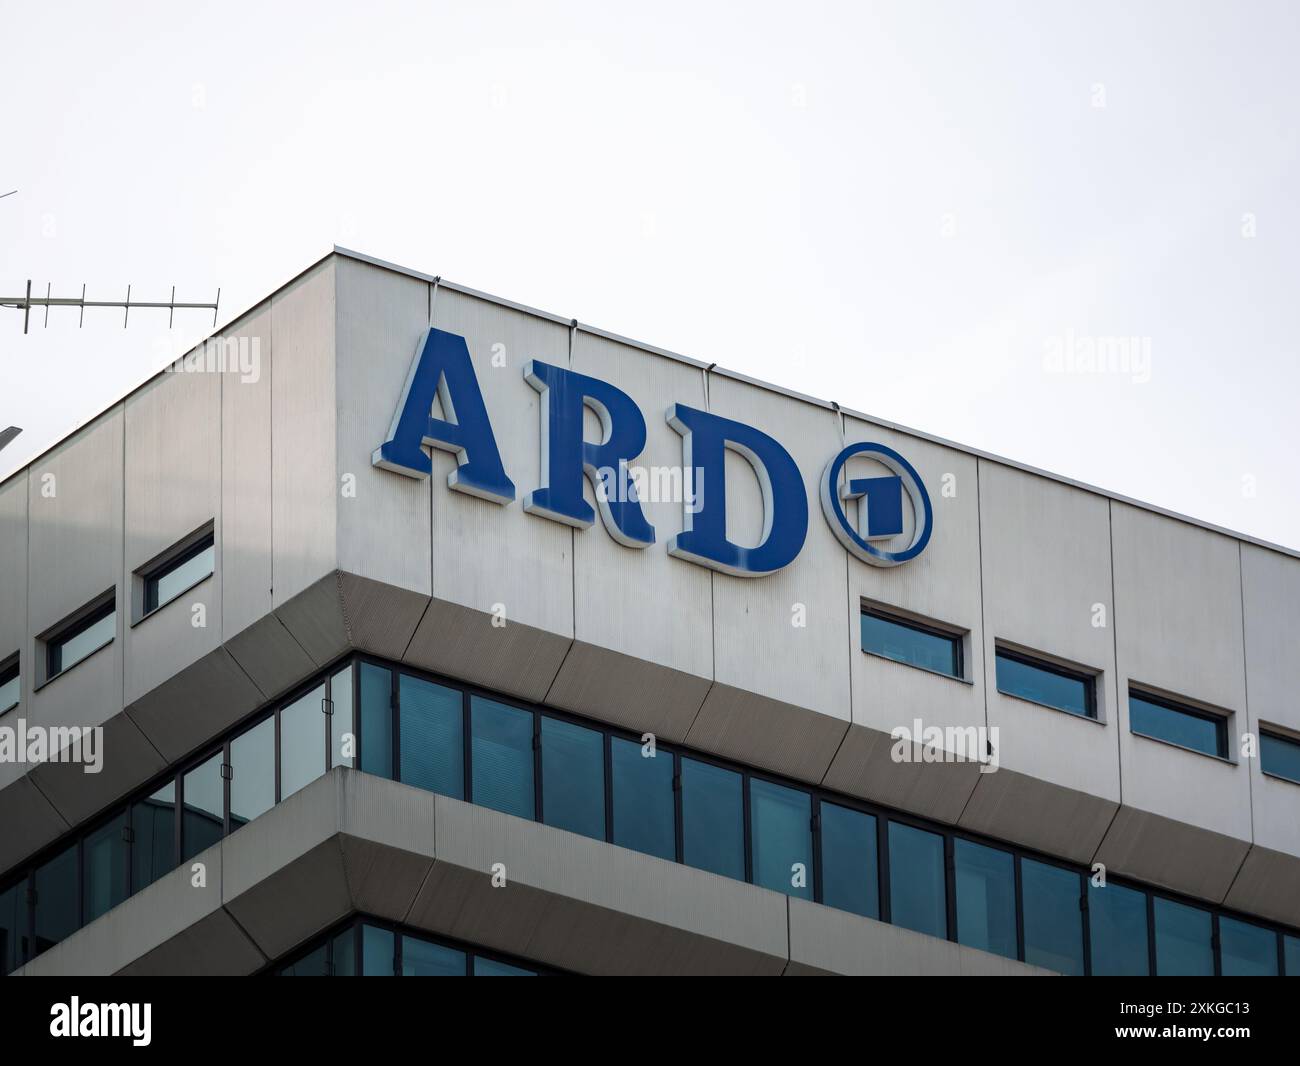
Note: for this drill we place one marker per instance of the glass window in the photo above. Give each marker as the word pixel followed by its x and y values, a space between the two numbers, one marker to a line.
pixel 1279 756
pixel 1053 921
pixel 917 893
pixel 252 773
pixel 908 642
pixel 420 958
pixel 850 870
pixel 644 809
pixel 713 819
pixel 1183 946
pixel 343 739
pixel 1117 931
pixel 56 899
pixel 1163 720
pixel 81 639
pixel 13 927
pixel 153 824
pixel 573 778
pixel 433 737
pixel 302 742
pixel 105 868
pixel 502 757
pixel 1054 686
pixel 179 574
pixel 1247 950
pixel 313 964
pixel 1291 955
pixel 378 952
pixel 491 968
pixel 343 953
pixel 10 691
pixel 781 831
pixel 376 720
pixel 986 897
pixel 202 807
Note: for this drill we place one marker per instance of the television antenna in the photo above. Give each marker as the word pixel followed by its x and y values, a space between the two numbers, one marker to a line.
pixel 26 302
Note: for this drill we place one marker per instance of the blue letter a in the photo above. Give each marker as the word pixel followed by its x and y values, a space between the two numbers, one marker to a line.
pixel 442 367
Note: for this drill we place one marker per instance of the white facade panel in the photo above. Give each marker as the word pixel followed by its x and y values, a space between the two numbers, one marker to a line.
pixel 383 518
pixel 1179 630
pixel 305 488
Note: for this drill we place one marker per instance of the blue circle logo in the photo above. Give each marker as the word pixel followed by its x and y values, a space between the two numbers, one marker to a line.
pixel 882 505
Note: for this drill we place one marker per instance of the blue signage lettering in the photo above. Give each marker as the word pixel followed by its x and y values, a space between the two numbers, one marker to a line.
pixel 566 456
pixel 442 367
pixel 705 440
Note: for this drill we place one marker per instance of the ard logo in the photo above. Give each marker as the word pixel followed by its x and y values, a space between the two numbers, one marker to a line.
pixel 894 518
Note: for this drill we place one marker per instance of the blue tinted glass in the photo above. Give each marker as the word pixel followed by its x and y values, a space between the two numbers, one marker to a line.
pixel 252 773
pixel 1042 685
pixel 343 743
pixel 153 825
pixel 1117 931
pixel 203 802
pixel 573 778
pixel 491 968
pixel 503 757
pixel 13 927
pixel 378 951
pixel 310 965
pixel 184 575
pixel 1177 727
pixel 1276 756
pixel 917 894
pixel 1053 920
pixel 713 819
pixel 780 821
pixel 56 900
pixel 302 742
pixel 343 959
pixel 66 653
pixel 104 867
pixel 432 737
pixel 850 874
pixel 1182 940
pixel 1291 951
pixel 1247 950
pixel 902 643
pixel 376 720
pixel 986 897
pixel 644 810
pixel 420 958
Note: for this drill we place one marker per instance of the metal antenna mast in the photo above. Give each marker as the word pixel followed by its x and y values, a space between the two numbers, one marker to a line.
pixel 26 302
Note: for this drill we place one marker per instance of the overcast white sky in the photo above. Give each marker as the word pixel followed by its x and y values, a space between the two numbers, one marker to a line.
pixel 911 208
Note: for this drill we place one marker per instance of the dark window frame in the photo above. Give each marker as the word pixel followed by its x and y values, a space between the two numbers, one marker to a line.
pixel 1048 666
pixel 10 670
pixel 56 639
pixel 172 560
pixel 1172 703
pixel 957 638
pixel 1278 735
